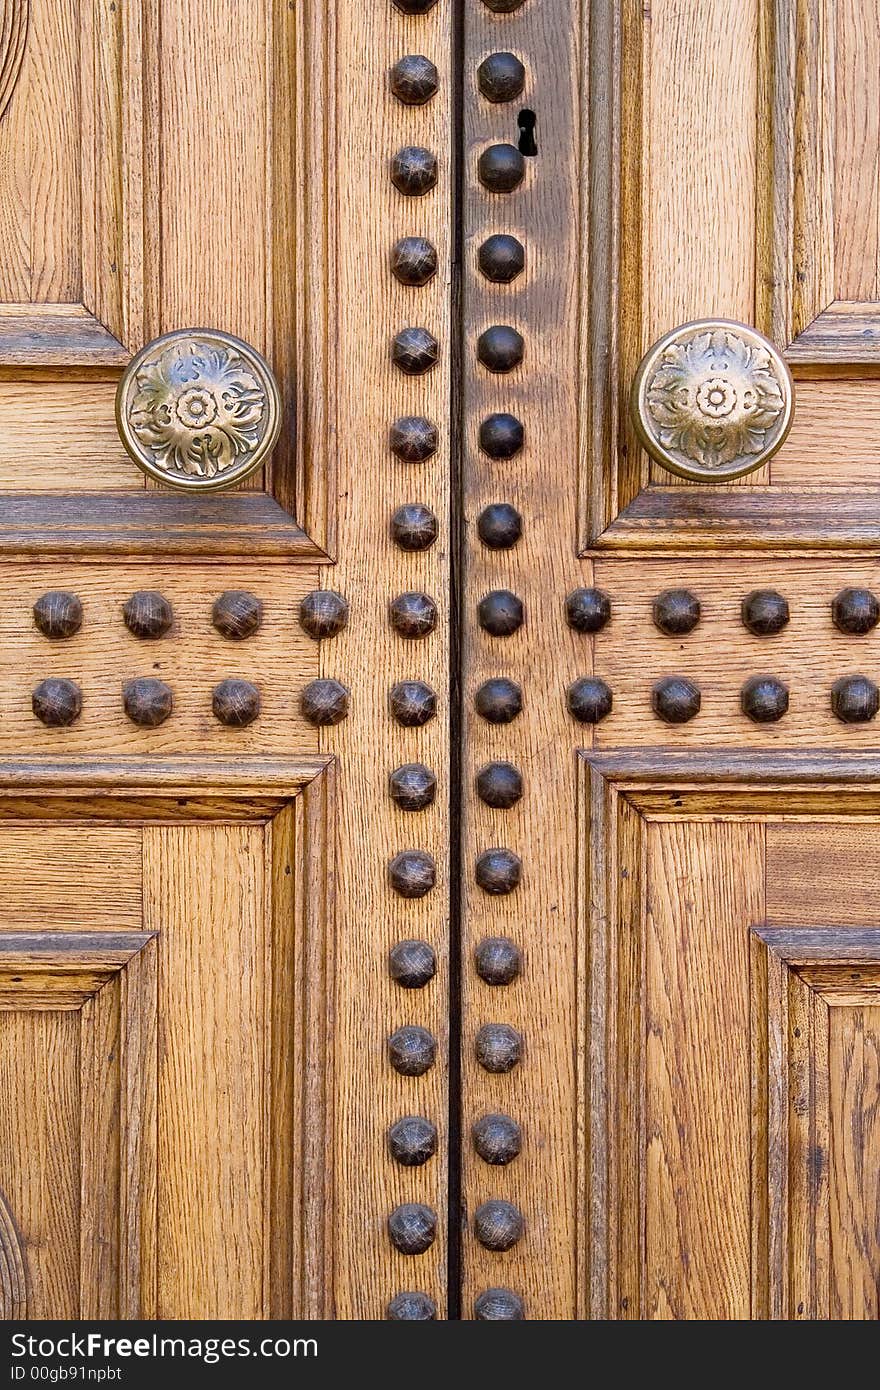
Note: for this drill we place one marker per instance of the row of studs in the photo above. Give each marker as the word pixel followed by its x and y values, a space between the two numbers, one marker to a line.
pixel 764 699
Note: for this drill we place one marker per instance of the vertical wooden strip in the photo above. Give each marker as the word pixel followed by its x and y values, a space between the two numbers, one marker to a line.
pixel 854 1087
pixel 851 101
pixel 705 889
pixel 101 1153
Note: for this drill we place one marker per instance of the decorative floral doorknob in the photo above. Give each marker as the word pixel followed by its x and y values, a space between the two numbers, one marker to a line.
pixel 712 400
pixel 198 409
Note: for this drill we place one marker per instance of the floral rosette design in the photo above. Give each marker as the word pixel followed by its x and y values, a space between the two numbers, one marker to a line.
pixel 199 408
pixel 715 398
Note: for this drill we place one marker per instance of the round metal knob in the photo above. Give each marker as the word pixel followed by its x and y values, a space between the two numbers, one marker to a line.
pixel 712 400
pixel 198 409
pixel 498 1224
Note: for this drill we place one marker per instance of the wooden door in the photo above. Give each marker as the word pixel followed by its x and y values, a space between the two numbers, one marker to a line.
pixel 436 870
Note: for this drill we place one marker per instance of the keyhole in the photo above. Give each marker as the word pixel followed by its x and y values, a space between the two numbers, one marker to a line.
pixel 527 143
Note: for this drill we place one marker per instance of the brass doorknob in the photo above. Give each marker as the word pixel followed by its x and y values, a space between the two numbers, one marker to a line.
pixel 198 409
pixel 712 400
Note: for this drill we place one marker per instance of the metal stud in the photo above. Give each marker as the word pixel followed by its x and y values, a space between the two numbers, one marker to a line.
pixel 412 615
pixel 498 1047
pixel 412 873
pixel 501 436
pixel 323 613
pixel 500 348
pixel 501 77
pixel 412 1141
pixel 497 1139
pixel 764 699
pixel 589 699
pixel 497 6
pixel 676 699
pixel 147 702
pixel 499 1305
pixel 498 871
pixel 413 260
pixel 500 785
pixel 411 1306
pixel 412 1228
pixel 412 1050
pixel 414 171
pixel 237 614
pixel 58 614
pixel 501 258
pixel 56 702
pixel 148 614
pixel 855 611
pixel 423 6
pixel 412 787
pixel 414 79
pixel 412 703
pixel 501 168
pixel 498 1225
pixel 676 611
pixel 500 613
pixel 325 702
pixel 414 527
pixel 415 351
pixel 413 439
pixel 236 703
pixel 499 526
pixel 855 699
pixel 498 960
pixel 498 700
pixel 412 964
pixel 765 612
pixel 587 610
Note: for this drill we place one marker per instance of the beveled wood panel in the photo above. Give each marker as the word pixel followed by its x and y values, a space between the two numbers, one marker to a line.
pixel 66 878
pixel 808 884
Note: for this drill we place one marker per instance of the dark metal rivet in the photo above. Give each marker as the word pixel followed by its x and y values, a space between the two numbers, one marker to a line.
pixel 412 787
pixel 500 785
pixel 414 171
pixel 56 702
pixel 589 699
pixel 236 703
pixel 498 700
pixel 412 1050
pixel 414 260
pixel 414 527
pixel 587 610
pixel 497 6
pixel 412 1141
pixel 764 612
pixel 764 699
pixel 854 699
pixel 412 703
pixel 413 439
pixel 855 611
pixel 412 873
pixel 147 702
pixel 501 77
pixel 497 1139
pixel 676 611
pixel 499 1305
pixel 412 964
pixel 325 702
pixel 498 960
pixel 412 1228
pixel 323 613
pixel 501 258
pixel 423 6
pixel 414 79
pixel 411 1306
pixel 498 871
pixel 498 1225
pixel 148 614
pixel 500 348
pixel 499 526
pixel 501 436
pixel 676 699
pixel 500 613
pixel 237 614
pixel 412 615
pixel 501 168
pixel 58 614
pixel 415 351
pixel 498 1047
